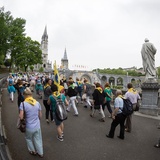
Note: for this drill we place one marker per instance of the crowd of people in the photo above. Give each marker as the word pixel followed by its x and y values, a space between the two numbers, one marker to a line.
pixel 95 97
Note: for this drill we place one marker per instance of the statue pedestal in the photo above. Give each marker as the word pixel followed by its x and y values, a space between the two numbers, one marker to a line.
pixel 149 103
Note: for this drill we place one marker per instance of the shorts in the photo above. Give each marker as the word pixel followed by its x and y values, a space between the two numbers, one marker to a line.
pixel 57 122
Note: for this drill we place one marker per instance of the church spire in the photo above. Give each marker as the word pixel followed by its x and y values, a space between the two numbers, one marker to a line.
pixel 45 35
pixel 64 60
pixel 65 55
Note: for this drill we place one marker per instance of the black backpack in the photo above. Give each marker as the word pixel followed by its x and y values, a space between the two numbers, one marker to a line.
pixel 61 112
pixel 127 107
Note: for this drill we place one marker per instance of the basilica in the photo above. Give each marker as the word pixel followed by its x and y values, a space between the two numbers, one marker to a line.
pixel 46 64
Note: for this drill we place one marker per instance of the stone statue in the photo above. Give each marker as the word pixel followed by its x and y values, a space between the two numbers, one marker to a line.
pixel 148 51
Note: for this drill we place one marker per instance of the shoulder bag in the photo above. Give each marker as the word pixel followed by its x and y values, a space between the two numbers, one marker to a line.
pixel 21 123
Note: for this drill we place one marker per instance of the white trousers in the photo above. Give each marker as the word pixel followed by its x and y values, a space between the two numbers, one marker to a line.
pixel 11 96
pixel 72 104
pixel 88 103
pixel 100 110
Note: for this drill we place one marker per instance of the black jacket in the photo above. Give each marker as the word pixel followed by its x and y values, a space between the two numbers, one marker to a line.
pixel 71 92
pixel 98 97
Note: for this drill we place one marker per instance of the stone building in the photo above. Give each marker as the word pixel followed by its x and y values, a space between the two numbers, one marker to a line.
pixel 64 61
pixel 46 64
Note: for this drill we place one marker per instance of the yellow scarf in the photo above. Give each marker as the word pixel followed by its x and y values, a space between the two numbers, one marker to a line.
pixel 100 89
pixel 46 85
pixel 56 93
pixel 79 82
pixel 30 100
pixel 132 90
pixel 121 96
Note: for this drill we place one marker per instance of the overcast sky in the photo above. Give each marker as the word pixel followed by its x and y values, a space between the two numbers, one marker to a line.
pixel 96 33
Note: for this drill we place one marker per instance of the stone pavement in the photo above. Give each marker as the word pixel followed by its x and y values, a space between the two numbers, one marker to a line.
pixel 84 137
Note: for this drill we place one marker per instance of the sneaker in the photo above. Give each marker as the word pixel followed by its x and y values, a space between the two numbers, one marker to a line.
pixel 85 106
pixel 120 137
pixel 102 120
pixel 91 115
pixel 62 135
pixel 108 136
pixel 127 130
pixel 47 121
pixel 157 146
pixel 76 115
pixel 60 138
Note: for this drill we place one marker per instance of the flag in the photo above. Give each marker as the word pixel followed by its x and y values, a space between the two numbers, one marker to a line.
pixel 56 76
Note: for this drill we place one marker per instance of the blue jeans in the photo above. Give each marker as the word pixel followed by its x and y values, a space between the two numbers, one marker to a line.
pixel 34 140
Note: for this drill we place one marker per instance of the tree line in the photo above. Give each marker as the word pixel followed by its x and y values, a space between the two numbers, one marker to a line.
pixel 120 71
pixel 17 49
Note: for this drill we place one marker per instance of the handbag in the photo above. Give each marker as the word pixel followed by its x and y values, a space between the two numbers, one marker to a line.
pixel 21 123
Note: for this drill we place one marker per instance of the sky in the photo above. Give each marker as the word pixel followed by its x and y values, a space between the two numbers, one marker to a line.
pixel 96 33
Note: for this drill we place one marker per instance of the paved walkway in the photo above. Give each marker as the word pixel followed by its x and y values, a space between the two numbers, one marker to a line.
pixel 84 137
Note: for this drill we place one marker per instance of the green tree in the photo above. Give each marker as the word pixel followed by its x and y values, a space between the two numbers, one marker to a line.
pixel 29 54
pixel 7 62
pixel 31 68
pixel 17 36
pixel 5 21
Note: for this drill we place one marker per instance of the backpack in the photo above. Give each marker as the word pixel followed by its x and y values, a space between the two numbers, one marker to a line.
pixel 88 89
pixel 127 107
pixel 60 112
pixel 79 87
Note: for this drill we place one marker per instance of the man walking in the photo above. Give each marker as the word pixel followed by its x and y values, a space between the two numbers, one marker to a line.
pixel 133 96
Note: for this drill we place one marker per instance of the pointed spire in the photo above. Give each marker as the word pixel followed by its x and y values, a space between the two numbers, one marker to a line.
pixel 45 36
pixel 65 55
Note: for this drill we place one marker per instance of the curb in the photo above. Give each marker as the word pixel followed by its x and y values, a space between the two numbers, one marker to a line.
pixel 147 116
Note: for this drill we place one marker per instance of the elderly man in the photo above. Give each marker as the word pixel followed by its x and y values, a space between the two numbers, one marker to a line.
pixel 133 96
pixel 148 51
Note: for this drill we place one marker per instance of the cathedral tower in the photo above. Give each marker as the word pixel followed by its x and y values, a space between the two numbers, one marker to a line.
pixel 64 61
pixel 44 48
pixel 46 65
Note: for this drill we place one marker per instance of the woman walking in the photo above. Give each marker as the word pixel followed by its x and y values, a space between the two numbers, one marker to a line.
pixel 32 111
pixel 11 88
pixel 47 93
pixel 108 93
pixel 52 101
pixel 99 99
pixel 72 93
